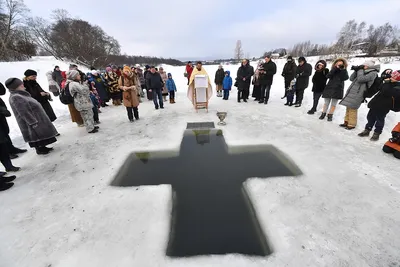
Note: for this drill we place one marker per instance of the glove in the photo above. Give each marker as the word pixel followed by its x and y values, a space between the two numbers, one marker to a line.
pixel 355 68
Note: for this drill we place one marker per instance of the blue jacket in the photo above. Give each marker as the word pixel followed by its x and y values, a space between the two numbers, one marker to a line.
pixel 94 99
pixel 227 82
pixel 170 84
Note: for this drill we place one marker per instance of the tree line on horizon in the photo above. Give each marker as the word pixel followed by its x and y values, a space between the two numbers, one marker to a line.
pixel 64 37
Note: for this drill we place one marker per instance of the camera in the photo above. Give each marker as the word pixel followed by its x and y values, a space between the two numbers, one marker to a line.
pixel 341 67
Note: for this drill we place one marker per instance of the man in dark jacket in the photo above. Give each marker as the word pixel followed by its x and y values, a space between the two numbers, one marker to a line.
pixel 155 84
pixel 387 99
pixel 289 73
pixel 303 73
pixel 267 72
pixel 319 82
pixel 56 75
pixel 243 78
pixel 145 75
pixel 219 77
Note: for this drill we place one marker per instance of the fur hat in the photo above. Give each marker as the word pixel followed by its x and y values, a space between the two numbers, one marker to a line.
pixel 396 75
pixel 29 72
pixel 13 83
pixel 369 63
pixel 72 74
pixel 127 68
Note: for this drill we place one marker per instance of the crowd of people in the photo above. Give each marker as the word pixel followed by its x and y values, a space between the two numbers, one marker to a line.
pixel 86 94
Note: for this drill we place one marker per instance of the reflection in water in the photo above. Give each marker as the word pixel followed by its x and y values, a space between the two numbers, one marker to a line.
pixel 212 212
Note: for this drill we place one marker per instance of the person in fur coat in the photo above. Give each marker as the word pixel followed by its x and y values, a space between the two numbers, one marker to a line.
pixel 128 84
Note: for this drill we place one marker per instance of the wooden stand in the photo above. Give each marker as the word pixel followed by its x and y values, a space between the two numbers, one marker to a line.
pixel 200 92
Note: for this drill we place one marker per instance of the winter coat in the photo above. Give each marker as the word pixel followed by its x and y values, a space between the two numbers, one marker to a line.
pixel 141 77
pixel 54 86
pixel 112 82
pixel 319 79
pixel 154 81
pixel 267 73
pixel 164 77
pixel 57 77
pixel 130 96
pixel 170 84
pixel 81 94
pixel 335 87
pixel 289 72
pixel 387 99
pixel 189 71
pixel 94 99
pixel 246 72
pixel 101 87
pixel 227 82
pixel 32 119
pixel 4 113
pixel 361 81
pixel 34 89
pixel 303 73
pixel 219 76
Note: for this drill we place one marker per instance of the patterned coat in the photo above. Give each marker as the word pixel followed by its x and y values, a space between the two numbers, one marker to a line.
pixel 81 94
pixel 32 120
pixel 130 96
pixel 164 77
pixel 361 81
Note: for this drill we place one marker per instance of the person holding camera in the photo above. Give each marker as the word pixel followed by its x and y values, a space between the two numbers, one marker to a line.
pixel 362 78
pixel 386 100
pixel 334 90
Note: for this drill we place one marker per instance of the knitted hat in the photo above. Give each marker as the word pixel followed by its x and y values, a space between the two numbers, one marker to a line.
pixel 302 59
pixel 289 58
pixel 72 74
pixel 396 75
pixel 13 83
pixel 369 63
pixel 169 75
pixel 28 73
pixel 127 68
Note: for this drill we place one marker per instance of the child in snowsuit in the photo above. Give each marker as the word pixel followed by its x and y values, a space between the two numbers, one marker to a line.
pixel 227 84
pixel 393 145
pixel 386 100
pixel 170 84
pixel 290 92
pixel 95 108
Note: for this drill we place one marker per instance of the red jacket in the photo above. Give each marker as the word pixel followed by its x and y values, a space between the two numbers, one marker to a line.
pixel 189 70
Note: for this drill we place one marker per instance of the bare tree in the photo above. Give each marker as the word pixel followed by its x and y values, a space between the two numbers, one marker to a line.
pixel 238 50
pixel 378 38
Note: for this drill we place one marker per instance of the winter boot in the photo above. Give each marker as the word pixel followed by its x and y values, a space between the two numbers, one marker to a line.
pixel 13 169
pixel 18 151
pixel 323 115
pixel 287 104
pixel 13 156
pixel 42 151
pixel 344 125
pixel 311 112
pixel 5 186
pixel 364 133
pixel 136 113
pixel 375 136
pixel 348 127
pixel 94 130
pixel 170 101
pixel 7 179
pixel 298 105
pixel 291 104
pixel 330 117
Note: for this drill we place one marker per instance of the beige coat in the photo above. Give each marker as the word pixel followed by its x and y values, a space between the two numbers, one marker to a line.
pixel 164 77
pixel 130 96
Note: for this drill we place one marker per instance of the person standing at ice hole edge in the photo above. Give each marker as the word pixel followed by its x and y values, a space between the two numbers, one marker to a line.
pixel 334 90
pixel 219 78
pixel 82 101
pixel 36 127
pixel 129 86
pixel 362 78
pixel 243 78
pixel 303 73
pixel 4 113
pixel 170 84
pixel 155 84
pixel 319 82
pixel 267 73
pixel 227 84
pixel 289 73
pixel 199 70
pixel 387 99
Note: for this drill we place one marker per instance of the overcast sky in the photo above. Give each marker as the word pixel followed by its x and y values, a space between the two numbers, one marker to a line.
pixel 210 28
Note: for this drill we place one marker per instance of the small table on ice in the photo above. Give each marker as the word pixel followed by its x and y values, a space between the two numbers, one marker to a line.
pixel 200 92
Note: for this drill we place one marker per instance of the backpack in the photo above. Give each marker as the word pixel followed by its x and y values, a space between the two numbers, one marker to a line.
pixel 65 97
pixel 374 88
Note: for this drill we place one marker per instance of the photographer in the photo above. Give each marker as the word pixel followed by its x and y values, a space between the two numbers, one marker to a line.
pixel 362 78
pixel 333 91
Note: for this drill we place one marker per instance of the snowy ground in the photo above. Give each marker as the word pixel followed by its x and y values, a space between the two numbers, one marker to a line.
pixel 344 210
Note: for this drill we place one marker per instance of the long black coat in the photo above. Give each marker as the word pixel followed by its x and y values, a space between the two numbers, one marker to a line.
pixel 34 89
pixel 4 112
pixel 387 99
pixel 267 73
pixel 303 74
pixel 56 75
pixel 244 72
pixel 289 72
pixel 219 76
pixel 335 87
pixel 319 79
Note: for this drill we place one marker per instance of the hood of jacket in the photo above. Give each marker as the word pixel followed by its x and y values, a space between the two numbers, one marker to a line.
pixel 373 68
pixel 340 59
pixel 323 63
pixel 229 73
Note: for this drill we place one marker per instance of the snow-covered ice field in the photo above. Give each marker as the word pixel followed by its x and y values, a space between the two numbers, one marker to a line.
pixel 344 210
